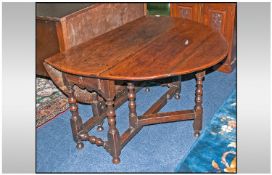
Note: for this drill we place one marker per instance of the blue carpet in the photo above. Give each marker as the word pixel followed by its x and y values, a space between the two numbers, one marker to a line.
pixel 156 148
pixel 215 150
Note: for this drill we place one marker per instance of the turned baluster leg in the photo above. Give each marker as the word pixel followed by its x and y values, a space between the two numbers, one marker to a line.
pixel 132 105
pixel 113 133
pixel 76 121
pixel 198 103
pixel 96 113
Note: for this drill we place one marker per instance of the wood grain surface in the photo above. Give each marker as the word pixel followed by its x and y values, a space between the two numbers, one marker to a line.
pixel 144 49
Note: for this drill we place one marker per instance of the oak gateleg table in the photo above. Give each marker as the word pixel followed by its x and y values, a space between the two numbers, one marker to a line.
pixel 146 49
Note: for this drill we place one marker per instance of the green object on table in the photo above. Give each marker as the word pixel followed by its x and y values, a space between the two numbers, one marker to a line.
pixel 161 9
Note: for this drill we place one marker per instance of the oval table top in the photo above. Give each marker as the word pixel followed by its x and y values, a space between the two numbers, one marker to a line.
pixel 147 48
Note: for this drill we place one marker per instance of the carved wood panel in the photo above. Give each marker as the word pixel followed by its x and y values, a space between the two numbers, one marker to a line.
pixel 215 18
pixel 185 10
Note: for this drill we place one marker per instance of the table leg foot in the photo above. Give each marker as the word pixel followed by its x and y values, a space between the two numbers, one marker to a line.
pixel 147 89
pixel 177 96
pixel 99 128
pixel 197 133
pixel 80 145
pixel 116 160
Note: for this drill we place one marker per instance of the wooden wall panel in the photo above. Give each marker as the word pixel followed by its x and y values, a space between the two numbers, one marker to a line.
pixel 100 19
pixel 46 43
